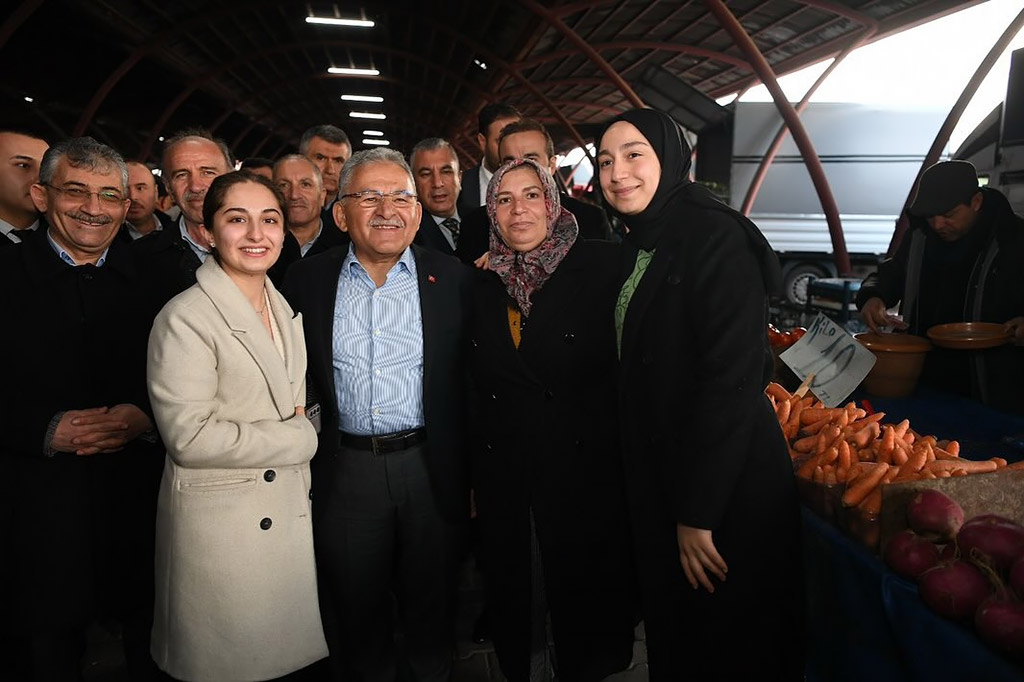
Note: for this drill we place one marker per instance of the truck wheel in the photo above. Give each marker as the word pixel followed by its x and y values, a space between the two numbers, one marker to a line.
pixel 794 284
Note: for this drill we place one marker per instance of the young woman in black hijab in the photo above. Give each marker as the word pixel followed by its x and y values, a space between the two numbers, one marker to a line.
pixel 710 485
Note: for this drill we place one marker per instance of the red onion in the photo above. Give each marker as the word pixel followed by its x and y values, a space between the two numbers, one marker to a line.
pixel 910 555
pixel 932 514
pixel 954 589
pixel 1000 622
pixel 999 539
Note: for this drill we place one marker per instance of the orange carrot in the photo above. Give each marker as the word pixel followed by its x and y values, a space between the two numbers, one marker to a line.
pixel 845 455
pixel 807 468
pixel 805 444
pixel 872 504
pixel 777 391
pixel 918 458
pixel 856 492
pixel 829 456
pixel 819 475
pixel 870 419
pixel 959 472
pixel 899 456
pixel 1016 466
pixel 1000 462
pixel 970 466
pixel 926 473
pixel 813 414
pixel 953 448
pixel 783 411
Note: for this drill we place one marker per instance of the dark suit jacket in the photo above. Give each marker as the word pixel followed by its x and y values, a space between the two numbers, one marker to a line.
pixel 166 223
pixel 469 196
pixel 429 236
pixel 547 442
pixel 444 288
pixel 83 344
pixel 167 265
pixel 475 230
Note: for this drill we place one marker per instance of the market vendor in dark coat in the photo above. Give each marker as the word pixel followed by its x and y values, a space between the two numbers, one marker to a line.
pixel 710 485
pixel 78 494
pixel 962 260
pixel 546 468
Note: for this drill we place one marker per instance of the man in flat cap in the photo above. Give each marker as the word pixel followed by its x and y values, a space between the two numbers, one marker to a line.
pixel 962 260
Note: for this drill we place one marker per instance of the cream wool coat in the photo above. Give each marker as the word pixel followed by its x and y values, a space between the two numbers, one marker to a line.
pixel 236 595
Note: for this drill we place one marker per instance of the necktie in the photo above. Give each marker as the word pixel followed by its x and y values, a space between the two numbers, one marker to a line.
pixel 453 226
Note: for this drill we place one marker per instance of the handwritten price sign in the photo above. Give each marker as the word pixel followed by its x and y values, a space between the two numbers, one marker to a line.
pixel 837 360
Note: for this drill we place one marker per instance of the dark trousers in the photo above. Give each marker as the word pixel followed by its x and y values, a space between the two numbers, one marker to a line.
pixel 383 550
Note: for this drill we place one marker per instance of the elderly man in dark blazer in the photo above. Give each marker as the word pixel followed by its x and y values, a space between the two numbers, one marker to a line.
pixel 385 326
pixel 78 494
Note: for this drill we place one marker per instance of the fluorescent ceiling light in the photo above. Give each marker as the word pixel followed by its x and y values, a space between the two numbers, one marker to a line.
pixel 346 71
pixel 379 133
pixel 480 64
pixel 366 114
pixel 331 21
pixel 378 141
pixel 362 98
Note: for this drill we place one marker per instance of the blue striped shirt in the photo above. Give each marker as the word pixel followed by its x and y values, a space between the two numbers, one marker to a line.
pixel 377 349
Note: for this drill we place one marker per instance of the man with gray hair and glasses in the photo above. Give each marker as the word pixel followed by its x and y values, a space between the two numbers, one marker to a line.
pixel 386 337
pixel 81 469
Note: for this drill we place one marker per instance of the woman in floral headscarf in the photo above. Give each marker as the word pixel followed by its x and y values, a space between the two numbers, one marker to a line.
pixel 547 473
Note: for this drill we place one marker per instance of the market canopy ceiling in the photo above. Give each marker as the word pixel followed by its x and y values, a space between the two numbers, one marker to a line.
pixel 258 72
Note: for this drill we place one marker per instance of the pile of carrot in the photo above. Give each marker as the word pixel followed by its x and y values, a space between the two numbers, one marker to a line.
pixel 845 445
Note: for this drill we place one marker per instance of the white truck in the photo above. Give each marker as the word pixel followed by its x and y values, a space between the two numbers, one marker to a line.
pixel 871 155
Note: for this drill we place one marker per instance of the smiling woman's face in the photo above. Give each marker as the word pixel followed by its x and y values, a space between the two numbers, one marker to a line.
pixel 520 210
pixel 248 230
pixel 628 168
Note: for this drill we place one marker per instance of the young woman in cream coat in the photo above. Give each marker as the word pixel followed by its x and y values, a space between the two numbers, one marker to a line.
pixel 235 576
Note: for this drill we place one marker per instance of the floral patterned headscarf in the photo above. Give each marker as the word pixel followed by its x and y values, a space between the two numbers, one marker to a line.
pixel 524 273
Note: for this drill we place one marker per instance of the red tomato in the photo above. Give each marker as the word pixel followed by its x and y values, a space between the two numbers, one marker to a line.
pixel 775 337
pixel 797 333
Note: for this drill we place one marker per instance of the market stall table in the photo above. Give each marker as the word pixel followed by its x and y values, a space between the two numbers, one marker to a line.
pixel 867 623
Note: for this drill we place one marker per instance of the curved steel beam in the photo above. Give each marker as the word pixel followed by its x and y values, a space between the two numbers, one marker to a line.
pixel 591 54
pixel 16 18
pixel 263 142
pixel 151 46
pixel 780 135
pixel 942 137
pixel 638 45
pixel 493 58
pixel 803 141
pixel 200 80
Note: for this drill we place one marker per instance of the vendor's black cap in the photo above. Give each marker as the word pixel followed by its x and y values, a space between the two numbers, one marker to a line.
pixel 943 186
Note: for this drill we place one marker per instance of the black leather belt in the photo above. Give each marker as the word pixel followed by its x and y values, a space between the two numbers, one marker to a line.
pixel 384 443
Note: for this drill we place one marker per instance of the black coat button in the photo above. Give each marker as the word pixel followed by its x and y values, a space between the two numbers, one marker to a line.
pixel 269 475
pixel 266 523
pixel 311 494
pixel 570 338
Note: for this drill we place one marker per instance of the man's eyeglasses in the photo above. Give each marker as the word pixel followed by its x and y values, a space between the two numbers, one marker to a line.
pixel 372 198
pixel 106 196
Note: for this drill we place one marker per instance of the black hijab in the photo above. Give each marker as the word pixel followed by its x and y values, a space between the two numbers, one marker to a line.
pixel 677 199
